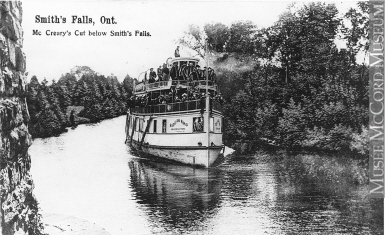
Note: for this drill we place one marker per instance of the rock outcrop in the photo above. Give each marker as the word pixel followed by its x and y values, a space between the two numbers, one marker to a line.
pixel 19 211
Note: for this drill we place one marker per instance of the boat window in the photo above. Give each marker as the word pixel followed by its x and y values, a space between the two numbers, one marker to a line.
pixel 132 123
pixel 155 122
pixel 218 125
pixel 141 121
pixel 198 124
pixel 211 124
pixel 164 126
pixel 128 121
pixel 136 124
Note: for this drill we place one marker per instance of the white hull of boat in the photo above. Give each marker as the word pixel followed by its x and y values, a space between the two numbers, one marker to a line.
pixel 196 156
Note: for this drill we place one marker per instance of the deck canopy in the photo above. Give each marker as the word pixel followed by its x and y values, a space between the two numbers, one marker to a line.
pixel 184 60
pixel 182 81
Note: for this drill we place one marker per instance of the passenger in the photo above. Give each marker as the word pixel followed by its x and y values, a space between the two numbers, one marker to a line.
pixel 174 72
pixel 167 98
pixel 170 94
pixel 220 98
pixel 165 72
pixel 173 91
pixel 211 74
pixel 186 72
pixel 176 53
pixel 203 74
pixel 200 74
pixel 184 97
pixel 149 100
pixel 198 124
pixel 151 80
pixel 189 71
pixel 152 75
pixel 190 95
pixel 145 78
pixel 195 75
pixel 181 73
pixel 159 71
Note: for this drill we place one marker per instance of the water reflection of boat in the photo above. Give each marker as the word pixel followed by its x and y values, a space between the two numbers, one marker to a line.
pixel 175 195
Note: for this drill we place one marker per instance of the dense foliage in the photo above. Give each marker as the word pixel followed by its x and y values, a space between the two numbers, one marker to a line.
pixel 290 85
pixel 98 96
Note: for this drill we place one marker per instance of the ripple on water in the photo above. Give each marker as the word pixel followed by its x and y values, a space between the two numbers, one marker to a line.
pixel 91 174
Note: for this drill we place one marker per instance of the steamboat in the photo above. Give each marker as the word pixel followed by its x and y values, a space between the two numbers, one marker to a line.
pixel 178 117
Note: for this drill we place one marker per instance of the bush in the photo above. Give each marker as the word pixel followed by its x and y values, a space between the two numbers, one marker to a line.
pixel 336 139
pixel 360 142
pixel 291 126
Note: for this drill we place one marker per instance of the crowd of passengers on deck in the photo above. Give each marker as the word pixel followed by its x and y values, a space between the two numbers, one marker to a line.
pixel 187 72
pixel 173 97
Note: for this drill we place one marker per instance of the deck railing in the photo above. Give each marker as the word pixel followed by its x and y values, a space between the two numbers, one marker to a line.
pixel 167 84
pixel 175 107
pixel 156 85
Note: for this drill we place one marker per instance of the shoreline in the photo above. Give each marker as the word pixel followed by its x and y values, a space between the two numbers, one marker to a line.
pixel 355 169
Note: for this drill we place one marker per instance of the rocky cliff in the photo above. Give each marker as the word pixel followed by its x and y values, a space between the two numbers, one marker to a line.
pixel 19 212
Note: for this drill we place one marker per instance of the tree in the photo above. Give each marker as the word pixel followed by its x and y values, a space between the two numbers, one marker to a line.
pixel 217 36
pixel 81 94
pixel 66 79
pixel 101 97
pixel 242 38
pixel 357 33
pixel 195 39
pixel 79 71
pixel 303 41
pixel 63 95
pixel 292 126
pixel 323 101
pixel 55 106
pixel 47 122
pixel 34 82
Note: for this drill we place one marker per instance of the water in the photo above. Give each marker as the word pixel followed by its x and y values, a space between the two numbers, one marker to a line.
pixel 89 173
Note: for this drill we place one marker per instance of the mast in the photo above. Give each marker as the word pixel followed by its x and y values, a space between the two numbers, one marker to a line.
pixel 207 104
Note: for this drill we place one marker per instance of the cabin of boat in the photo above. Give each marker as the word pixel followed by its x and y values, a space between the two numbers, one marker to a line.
pixel 167 118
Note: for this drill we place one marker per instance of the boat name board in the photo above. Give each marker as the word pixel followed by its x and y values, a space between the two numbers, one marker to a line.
pixel 179 125
pixel 178 120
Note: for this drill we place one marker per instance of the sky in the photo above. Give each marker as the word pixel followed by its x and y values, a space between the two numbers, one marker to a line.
pixel 50 56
